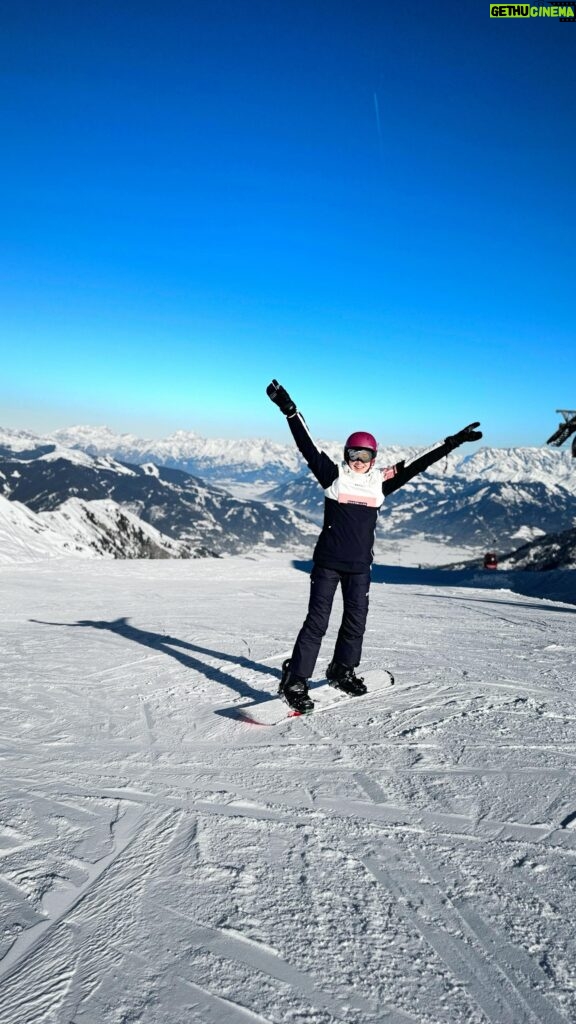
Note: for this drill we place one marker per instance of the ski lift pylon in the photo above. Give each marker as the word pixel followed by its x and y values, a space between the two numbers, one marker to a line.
pixel 565 430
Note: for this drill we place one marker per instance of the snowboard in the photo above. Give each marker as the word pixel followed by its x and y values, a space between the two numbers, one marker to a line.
pixel 276 710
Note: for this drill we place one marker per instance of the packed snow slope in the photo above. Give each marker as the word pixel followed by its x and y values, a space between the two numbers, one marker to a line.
pixel 409 858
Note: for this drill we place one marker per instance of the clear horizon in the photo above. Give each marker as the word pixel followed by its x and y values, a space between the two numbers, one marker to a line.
pixel 370 204
pixel 286 439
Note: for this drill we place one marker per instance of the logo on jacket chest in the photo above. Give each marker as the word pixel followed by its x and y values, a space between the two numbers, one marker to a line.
pixel 351 488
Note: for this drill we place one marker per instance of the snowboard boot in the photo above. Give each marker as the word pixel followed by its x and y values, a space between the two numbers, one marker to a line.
pixel 344 678
pixel 294 690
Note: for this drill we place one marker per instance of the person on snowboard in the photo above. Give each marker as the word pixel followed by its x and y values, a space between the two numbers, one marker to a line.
pixel 354 492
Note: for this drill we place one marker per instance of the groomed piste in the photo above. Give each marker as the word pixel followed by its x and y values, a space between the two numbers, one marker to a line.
pixel 406 859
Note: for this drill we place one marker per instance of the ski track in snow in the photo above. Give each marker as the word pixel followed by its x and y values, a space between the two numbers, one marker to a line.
pixel 410 859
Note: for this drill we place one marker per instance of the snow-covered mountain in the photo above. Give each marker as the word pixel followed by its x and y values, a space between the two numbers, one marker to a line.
pixel 553 551
pixel 86 529
pixel 490 497
pixel 108 529
pixel 80 528
pixel 549 466
pixel 257 461
pixel 480 514
pixel 253 459
pixel 202 517
pixel 25 536
pixel 458 508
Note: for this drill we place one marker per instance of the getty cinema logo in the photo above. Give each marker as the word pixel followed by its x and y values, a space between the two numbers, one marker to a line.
pixel 529 11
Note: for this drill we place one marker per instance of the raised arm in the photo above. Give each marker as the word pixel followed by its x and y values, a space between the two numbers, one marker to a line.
pixel 318 462
pixel 401 473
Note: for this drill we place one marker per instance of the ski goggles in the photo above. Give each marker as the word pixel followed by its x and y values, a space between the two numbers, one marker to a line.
pixel 360 455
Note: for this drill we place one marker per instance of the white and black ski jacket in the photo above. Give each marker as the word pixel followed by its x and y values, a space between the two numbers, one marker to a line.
pixel 353 500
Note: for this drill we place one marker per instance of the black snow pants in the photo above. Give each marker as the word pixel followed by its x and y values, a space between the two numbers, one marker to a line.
pixel 348 650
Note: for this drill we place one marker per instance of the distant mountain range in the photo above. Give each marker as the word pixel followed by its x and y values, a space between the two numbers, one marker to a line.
pixel 490 498
pixel 255 461
pixel 455 510
pixel 189 517
pixel 493 498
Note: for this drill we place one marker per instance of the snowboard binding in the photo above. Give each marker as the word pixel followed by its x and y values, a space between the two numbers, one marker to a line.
pixel 343 677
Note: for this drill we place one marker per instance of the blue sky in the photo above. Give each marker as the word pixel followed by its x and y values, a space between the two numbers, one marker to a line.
pixel 372 203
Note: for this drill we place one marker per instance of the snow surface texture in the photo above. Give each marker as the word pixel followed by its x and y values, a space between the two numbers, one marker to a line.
pixel 406 859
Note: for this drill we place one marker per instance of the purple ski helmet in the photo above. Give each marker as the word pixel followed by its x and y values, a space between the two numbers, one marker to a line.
pixel 361 439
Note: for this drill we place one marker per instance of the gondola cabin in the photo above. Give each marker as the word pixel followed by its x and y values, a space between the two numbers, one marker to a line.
pixel 490 560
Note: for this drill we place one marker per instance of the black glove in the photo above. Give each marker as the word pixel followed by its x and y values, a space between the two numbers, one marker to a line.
pixel 277 394
pixel 468 433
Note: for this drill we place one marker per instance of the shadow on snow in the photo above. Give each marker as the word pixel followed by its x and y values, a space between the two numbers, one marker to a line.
pixel 165 644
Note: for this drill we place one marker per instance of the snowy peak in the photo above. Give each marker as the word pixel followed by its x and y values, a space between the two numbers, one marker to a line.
pixel 194 515
pixel 104 528
pixel 26 537
pixel 83 529
pixel 95 439
pixel 258 459
pixel 18 440
pixel 549 466
pixel 478 499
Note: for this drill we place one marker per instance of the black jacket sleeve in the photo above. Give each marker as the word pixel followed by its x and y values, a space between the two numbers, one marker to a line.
pixel 321 465
pixel 401 473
